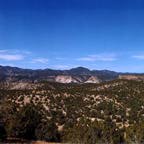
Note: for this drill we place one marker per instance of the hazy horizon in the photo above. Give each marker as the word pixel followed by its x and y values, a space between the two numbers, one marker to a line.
pixel 96 34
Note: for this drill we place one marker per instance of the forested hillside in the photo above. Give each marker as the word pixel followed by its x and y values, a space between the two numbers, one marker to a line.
pixel 110 112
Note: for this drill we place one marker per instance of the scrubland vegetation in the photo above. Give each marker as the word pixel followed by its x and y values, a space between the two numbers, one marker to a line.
pixel 110 112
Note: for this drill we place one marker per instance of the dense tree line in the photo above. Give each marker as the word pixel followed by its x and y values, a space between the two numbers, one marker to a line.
pixel 27 123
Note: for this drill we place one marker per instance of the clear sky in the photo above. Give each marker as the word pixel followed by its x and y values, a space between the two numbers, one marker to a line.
pixel 61 34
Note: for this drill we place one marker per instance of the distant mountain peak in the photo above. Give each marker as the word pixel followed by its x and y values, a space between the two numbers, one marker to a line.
pixel 74 75
pixel 80 68
pixel 80 71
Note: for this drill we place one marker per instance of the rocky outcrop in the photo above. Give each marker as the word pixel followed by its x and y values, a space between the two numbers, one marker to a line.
pixel 132 77
pixel 65 79
pixel 93 79
pixel 70 79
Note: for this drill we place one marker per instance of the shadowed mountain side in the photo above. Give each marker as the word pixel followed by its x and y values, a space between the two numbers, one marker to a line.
pixel 74 75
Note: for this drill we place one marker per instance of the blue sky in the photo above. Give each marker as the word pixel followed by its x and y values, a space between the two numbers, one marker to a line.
pixel 61 34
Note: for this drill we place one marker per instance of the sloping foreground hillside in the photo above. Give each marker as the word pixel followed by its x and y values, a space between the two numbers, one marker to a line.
pixel 42 142
pixel 111 112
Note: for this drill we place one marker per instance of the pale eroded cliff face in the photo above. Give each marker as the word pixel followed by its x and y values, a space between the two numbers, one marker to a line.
pixel 65 79
pixel 71 79
pixel 93 79
pixel 131 77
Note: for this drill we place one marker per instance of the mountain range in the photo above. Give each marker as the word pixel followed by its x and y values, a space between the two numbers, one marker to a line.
pixel 74 75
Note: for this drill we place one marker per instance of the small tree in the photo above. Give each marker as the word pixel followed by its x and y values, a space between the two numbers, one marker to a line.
pixel 2 132
pixel 47 131
pixel 24 122
pixel 28 120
